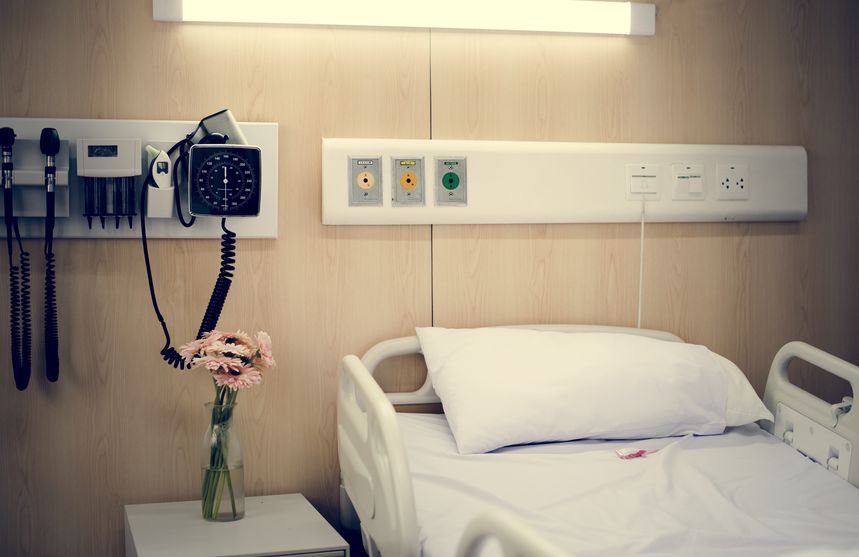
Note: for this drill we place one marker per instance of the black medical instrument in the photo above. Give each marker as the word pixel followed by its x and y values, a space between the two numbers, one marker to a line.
pixel 224 180
pixel 19 277
pixel 204 134
pixel 49 143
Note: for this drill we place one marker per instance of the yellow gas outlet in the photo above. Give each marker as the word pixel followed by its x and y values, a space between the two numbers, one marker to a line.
pixel 409 174
pixel 408 180
pixel 365 180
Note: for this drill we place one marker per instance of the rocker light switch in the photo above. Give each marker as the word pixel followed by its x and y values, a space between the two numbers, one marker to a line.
pixel 696 184
pixel 688 182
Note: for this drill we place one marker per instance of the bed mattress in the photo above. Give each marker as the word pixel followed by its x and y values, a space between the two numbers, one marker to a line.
pixel 741 493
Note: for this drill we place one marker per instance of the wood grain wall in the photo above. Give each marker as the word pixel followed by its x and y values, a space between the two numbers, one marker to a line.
pixel 121 428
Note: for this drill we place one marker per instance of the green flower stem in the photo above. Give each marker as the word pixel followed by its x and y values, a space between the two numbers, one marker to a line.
pixel 232 496
pixel 218 473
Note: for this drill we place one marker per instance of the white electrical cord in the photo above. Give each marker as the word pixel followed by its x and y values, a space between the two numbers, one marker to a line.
pixel 641 264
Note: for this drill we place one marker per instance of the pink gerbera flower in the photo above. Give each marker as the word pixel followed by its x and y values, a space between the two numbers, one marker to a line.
pixel 190 350
pixel 265 355
pixel 241 377
pixel 234 359
pixel 216 363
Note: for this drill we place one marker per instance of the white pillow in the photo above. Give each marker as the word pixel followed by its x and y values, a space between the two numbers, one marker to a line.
pixel 744 405
pixel 502 386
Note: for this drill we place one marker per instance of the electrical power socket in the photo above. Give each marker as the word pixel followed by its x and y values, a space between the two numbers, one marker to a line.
pixel 732 181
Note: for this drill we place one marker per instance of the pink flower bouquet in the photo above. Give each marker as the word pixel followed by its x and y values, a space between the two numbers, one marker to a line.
pixel 235 361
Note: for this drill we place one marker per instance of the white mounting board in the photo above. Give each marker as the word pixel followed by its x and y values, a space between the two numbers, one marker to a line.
pixel 160 133
pixel 548 182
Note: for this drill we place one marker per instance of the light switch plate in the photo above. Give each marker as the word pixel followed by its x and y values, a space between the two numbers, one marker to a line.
pixel 451 183
pixel 407 182
pixel 689 182
pixel 365 181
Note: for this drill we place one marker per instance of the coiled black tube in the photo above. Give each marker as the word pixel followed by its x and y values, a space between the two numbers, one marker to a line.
pixel 15 325
pixel 26 318
pixel 219 293
pixel 168 353
pixel 52 358
pixel 222 283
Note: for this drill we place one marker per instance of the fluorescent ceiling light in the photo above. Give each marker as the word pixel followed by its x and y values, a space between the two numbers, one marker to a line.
pixel 552 16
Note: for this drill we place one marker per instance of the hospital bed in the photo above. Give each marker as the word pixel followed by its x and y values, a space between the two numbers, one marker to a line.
pixel 411 494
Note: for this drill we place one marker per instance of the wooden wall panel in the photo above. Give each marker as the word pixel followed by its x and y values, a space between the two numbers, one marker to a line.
pixel 716 72
pixel 120 427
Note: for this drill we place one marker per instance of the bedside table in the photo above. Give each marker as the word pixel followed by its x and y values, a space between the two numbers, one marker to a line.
pixel 275 525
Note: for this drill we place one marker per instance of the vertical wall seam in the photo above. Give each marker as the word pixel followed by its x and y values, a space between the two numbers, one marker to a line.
pixel 432 231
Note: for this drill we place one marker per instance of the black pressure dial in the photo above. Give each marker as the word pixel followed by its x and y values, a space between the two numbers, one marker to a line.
pixel 224 180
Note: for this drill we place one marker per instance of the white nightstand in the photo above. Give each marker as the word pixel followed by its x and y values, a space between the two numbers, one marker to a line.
pixel 274 525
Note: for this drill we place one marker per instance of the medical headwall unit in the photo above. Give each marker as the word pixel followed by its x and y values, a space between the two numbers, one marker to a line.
pixel 122 141
pixel 417 181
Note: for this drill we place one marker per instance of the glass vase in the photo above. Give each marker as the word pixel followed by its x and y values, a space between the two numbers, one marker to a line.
pixel 223 494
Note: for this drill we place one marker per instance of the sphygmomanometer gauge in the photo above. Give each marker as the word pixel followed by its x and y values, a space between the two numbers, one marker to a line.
pixel 224 180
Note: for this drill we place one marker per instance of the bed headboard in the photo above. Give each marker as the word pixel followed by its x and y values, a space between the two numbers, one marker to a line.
pixel 426 394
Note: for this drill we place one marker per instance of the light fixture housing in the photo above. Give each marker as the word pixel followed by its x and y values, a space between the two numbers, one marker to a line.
pixel 545 16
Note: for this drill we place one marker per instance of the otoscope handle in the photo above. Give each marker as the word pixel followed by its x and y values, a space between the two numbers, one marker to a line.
pixel 50 211
pixel 8 216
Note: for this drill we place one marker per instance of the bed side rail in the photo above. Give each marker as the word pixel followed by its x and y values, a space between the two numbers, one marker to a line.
pixel 373 462
pixel 516 538
pixel 403 346
pixel 829 432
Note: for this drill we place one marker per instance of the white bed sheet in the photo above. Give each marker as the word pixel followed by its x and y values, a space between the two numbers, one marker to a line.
pixel 741 493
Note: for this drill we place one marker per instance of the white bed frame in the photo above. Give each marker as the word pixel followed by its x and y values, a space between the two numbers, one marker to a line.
pixel 376 489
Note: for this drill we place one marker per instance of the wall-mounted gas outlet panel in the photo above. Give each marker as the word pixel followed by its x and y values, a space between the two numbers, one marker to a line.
pixel 408 186
pixel 365 181
pixel 484 182
pixel 29 204
pixel 451 181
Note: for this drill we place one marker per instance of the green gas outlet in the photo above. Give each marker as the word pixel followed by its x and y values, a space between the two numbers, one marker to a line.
pixel 451 185
pixel 450 180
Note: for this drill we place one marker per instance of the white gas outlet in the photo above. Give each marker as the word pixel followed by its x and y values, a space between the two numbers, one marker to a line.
pixel 732 181
pixel 365 181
